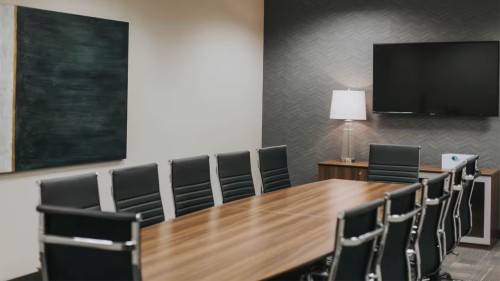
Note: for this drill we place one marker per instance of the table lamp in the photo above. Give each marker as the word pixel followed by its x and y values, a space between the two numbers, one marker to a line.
pixel 348 105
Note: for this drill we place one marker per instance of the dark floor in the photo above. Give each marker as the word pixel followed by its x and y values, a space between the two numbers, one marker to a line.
pixel 474 264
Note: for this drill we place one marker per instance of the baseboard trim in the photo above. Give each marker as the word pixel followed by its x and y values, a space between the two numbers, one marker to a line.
pixel 35 276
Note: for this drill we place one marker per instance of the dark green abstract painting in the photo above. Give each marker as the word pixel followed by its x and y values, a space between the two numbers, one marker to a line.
pixel 68 99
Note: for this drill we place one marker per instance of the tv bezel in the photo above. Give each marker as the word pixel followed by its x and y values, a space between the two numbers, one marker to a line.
pixel 436 113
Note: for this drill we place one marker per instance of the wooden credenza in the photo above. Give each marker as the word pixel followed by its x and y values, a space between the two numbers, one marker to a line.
pixel 336 169
pixel 484 197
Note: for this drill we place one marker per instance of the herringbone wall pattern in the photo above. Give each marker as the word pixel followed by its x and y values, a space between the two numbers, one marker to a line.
pixel 315 46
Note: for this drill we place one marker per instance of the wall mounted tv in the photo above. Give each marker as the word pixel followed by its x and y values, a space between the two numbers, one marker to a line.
pixel 449 78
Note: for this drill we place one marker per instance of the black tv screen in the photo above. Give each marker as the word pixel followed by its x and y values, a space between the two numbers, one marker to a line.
pixel 451 78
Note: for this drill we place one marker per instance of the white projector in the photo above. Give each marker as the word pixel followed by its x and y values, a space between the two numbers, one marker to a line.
pixel 451 160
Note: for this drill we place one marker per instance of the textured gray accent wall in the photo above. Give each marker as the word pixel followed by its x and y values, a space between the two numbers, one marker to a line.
pixel 315 46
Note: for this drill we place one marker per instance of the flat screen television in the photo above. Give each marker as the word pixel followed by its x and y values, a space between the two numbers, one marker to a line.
pixel 449 78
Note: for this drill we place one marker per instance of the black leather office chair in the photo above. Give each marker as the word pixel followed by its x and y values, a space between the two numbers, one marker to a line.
pixel 80 192
pixel 273 166
pixel 452 213
pixel 400 211
pixel 393 163
pixel 191 184
pixel 89 245
pixel 429 240
pixel 235 175
pixel 358 230
pixel 137 190
pixel 471 174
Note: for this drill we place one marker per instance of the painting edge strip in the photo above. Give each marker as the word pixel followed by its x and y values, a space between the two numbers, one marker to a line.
pixel 7 86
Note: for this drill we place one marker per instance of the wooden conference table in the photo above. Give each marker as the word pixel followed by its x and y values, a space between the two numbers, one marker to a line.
pixel 254 238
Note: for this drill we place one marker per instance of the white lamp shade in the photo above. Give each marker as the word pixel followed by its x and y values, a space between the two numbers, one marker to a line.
pixel 348 105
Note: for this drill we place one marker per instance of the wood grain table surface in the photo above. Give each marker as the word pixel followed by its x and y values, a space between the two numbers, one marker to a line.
pixel 254 238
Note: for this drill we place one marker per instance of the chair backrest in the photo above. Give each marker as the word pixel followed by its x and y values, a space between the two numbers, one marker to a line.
pixel 357 232
pixel 81 192
pixel 273 166
pixel 137 190
pixel 472 167
pixel 400 211
pixel 235 175
pixel 452 213
pixel 471 174
pixel 89 245
pixel 191 184
pixel 429 240
pixel 393 163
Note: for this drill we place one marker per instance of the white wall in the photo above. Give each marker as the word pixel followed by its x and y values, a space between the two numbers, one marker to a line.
pixel 195 87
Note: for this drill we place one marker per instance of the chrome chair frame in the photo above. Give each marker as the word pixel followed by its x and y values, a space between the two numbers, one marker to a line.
pixel 471 178
pixel 455 209
pixel 426 201
pixel 423 206
pixel 132 246
pixel 341 242
pixel 397 218
pixel 441 219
